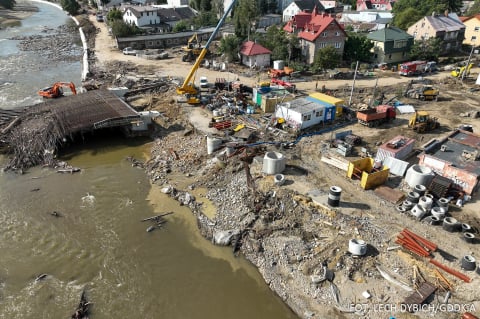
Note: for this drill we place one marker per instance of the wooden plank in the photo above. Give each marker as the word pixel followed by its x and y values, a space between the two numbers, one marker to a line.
pixel 389 194
pixel 419 296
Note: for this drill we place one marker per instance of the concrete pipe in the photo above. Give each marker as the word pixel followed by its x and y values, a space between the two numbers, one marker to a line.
pixel 334 196
pixel 430 196
pixel 279 179
pixel 438 212
pixel 418 175
pixel 420 189
pixel 273 163
pixel 413 197
pixel 418 211
pixel 435 221
pixel 469 263
pixel 401 209
pixel 450 224
pixel 469 238
pixel 357 247
pixel 443 202
pixel 426 203
pixel 466 228
pixel 407 204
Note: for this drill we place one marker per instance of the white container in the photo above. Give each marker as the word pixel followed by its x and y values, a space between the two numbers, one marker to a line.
pixel 278 64
pixel 357 247
pixel 213 144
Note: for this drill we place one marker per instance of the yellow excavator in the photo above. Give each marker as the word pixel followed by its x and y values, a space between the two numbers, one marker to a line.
pixel 422 122
pixel 458 71
pixel 193 49
pixel 188 87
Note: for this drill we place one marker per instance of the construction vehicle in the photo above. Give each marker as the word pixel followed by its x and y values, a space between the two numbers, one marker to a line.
pixel 56 90
pixel 287 85
pixel 458 71
pixel 422 122
pixel 426 92
pixel 188 87
pixel 412 68
pixel 375 116
pixel 278 73
pixel 193 49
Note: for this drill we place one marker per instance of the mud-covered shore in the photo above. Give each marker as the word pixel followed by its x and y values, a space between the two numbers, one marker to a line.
pixel 13 17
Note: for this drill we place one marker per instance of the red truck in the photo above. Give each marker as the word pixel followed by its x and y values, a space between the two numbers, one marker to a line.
pixel 412 68
pixel 376 116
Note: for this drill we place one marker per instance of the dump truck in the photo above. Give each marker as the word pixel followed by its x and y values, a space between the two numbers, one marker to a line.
pixel 426 92
pixel 375 116
pixel 422 122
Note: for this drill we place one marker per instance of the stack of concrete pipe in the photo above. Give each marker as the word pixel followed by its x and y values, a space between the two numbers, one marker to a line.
pixel 418 175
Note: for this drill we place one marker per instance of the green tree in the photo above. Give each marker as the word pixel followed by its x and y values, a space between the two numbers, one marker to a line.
pixel 326 58
pixel 205 19
pixel 122 29
pixel 205 5
pixel 263 6
pixel 180 26
pixel 282 45
pixel 357 48
pixel 426 49
pixel 406 18
pixel 114 14
pixel 71 6
pixel 7 4
pixel 272 6
pixel 229 46
pixel 243 16
pixel 474 9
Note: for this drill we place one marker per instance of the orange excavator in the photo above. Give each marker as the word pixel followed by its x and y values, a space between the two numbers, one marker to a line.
pixel 56 90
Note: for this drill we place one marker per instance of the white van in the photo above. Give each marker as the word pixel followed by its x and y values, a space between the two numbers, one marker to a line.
pixel 203 82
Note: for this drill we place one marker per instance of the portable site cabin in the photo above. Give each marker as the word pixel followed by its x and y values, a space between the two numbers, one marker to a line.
pixel 339 103
pixel 330 109
pixel 268 97
pixel 301 113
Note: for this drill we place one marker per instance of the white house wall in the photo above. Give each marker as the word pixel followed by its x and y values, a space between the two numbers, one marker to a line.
pixel 256 60
pixel 146 18
pixel 301 120
pixel 290 11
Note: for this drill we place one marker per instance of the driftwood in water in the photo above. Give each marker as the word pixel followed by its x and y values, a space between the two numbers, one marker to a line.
pixel 82 309
pixel 156 218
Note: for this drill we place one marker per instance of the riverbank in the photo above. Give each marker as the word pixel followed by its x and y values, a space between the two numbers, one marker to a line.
pixel 13 17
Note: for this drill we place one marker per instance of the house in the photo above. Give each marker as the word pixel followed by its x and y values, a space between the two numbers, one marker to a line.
pixel 297 23
pixel 255 55
pixel 457 158
pixel 141 16
pixel 159 19
pixel 390 45
pixel 366 20
pixel 447 27
pixel 268 20
pixel 320 31
pixel 384 5
pixel 301 113
pixel 296 7
pixel 472 30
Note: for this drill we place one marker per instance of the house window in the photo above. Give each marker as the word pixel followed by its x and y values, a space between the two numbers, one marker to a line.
pixel 150 43
pixel 319 113
pixel 400 44
pixel 476 29
pixel 324 34
pixel 337 34
pixel 423 24
pixel 474 38
pixel 415 34
pixel 307 117
pixel 338 45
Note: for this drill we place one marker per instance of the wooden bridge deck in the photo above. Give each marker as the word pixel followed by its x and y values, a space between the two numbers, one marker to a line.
pixel 33 135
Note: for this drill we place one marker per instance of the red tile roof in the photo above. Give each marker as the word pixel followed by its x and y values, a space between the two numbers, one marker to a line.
pixel 463 19
pixel 298 21
pixel 317 24
pixel 251 48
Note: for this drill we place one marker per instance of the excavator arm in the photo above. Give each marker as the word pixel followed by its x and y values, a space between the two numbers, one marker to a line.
pixel 55 90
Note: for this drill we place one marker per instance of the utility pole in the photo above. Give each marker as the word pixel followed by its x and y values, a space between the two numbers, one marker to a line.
pixel 353 85
pixel 374 91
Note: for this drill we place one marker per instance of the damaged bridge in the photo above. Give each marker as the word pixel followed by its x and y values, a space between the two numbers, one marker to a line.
pixel 33 136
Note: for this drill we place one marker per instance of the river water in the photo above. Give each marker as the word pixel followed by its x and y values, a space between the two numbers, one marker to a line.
pixel 99 242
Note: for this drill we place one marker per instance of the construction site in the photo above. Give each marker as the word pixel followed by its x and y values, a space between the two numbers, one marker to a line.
pixel 353 199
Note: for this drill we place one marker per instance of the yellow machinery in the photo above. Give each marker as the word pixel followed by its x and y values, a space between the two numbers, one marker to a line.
pixel 193 49
pixel 188 87
pixel 426 92
pixel 422 122
pixel 458 72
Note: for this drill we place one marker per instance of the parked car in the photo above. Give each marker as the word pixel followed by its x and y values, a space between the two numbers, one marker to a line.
pixel 203 82
pixel 99 17
pixel 129 51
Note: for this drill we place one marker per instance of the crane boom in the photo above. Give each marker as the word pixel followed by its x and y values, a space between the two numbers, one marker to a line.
pixel 188 87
